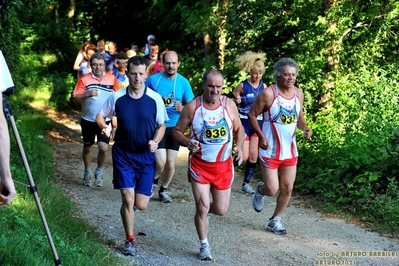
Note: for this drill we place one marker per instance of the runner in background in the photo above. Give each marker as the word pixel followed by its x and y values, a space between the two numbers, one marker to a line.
pixel 91 91
pixel 176 92
pixel 244 95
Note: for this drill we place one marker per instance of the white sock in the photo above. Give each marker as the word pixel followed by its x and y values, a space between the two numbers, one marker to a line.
pixel 204 243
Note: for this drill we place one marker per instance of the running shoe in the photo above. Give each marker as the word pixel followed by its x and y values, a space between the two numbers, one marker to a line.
pixel 98 176
pixel 164 197
pixel 274 225
pixel 87 178
pixel 247 189
pixel 130 247
pixel 258 199
pixel 205 253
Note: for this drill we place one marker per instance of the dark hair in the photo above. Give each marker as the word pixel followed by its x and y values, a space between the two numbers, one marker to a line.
pixel 111 42
pixel 136 61
pixel 98 56
pixel 132 44
pixel 163 49
pixel 122 55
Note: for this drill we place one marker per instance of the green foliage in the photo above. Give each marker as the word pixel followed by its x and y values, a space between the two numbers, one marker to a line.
pixel 351 134
pixel 381 209
pixel 47 29
pixel 10 34
pixel 35 77
pixel 61 90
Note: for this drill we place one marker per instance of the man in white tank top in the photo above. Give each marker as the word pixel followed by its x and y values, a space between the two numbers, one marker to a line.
pixel 282 108
pixel 213 121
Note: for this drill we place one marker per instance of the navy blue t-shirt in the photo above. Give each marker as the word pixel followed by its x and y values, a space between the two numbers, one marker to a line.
pixel 137 119
pixel 109 61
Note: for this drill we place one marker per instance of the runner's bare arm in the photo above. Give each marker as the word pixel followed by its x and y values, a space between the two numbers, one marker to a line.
pixel 159 133
pixel 238 130
pixel 261 103
pixel 237 92
pixel 100 120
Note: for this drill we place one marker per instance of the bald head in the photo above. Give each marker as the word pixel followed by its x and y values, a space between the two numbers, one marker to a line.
pixel 171 62
pixel 212 73
pixel 171 54
pixel 212 84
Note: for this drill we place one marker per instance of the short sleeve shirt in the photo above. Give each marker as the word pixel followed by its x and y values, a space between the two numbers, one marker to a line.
pixel 178 88
pixel 5 76
pixel 137 119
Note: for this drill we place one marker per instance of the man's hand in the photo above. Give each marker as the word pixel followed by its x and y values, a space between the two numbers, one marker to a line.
pixel 237 99
pixel 193 146
pixel 153 145
pixel 308 132
pixel 7 192
pixel 106 131
pixel 92 93
pixel 178 106
pixel 239 158
pixel 263 142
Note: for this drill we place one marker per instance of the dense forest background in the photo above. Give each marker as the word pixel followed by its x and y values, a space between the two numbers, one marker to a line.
pixel 347 51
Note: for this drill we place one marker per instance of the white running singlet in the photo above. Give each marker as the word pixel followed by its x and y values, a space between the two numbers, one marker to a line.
pixel 279 126
pixel 213 128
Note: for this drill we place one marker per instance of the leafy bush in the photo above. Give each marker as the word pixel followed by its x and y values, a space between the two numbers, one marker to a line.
pixel 349 158
pixel 10 33
pixel 381 209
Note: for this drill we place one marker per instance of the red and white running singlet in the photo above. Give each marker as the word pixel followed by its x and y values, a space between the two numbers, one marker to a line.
pixel 213 129
pixel 279 126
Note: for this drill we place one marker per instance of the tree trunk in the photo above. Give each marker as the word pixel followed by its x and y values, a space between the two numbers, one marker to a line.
pixel 332 58
pixel 207 37
pixel 72 9
pixel 221 20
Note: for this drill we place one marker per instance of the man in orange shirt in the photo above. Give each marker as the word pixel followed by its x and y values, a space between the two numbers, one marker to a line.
pixel 91 91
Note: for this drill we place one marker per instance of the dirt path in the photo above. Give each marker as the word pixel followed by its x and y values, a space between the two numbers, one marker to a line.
pixel 166 233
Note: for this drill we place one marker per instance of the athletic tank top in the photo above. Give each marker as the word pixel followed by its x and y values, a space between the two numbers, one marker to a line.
pixel 279 126
pixel 213 129
pixel 248 96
